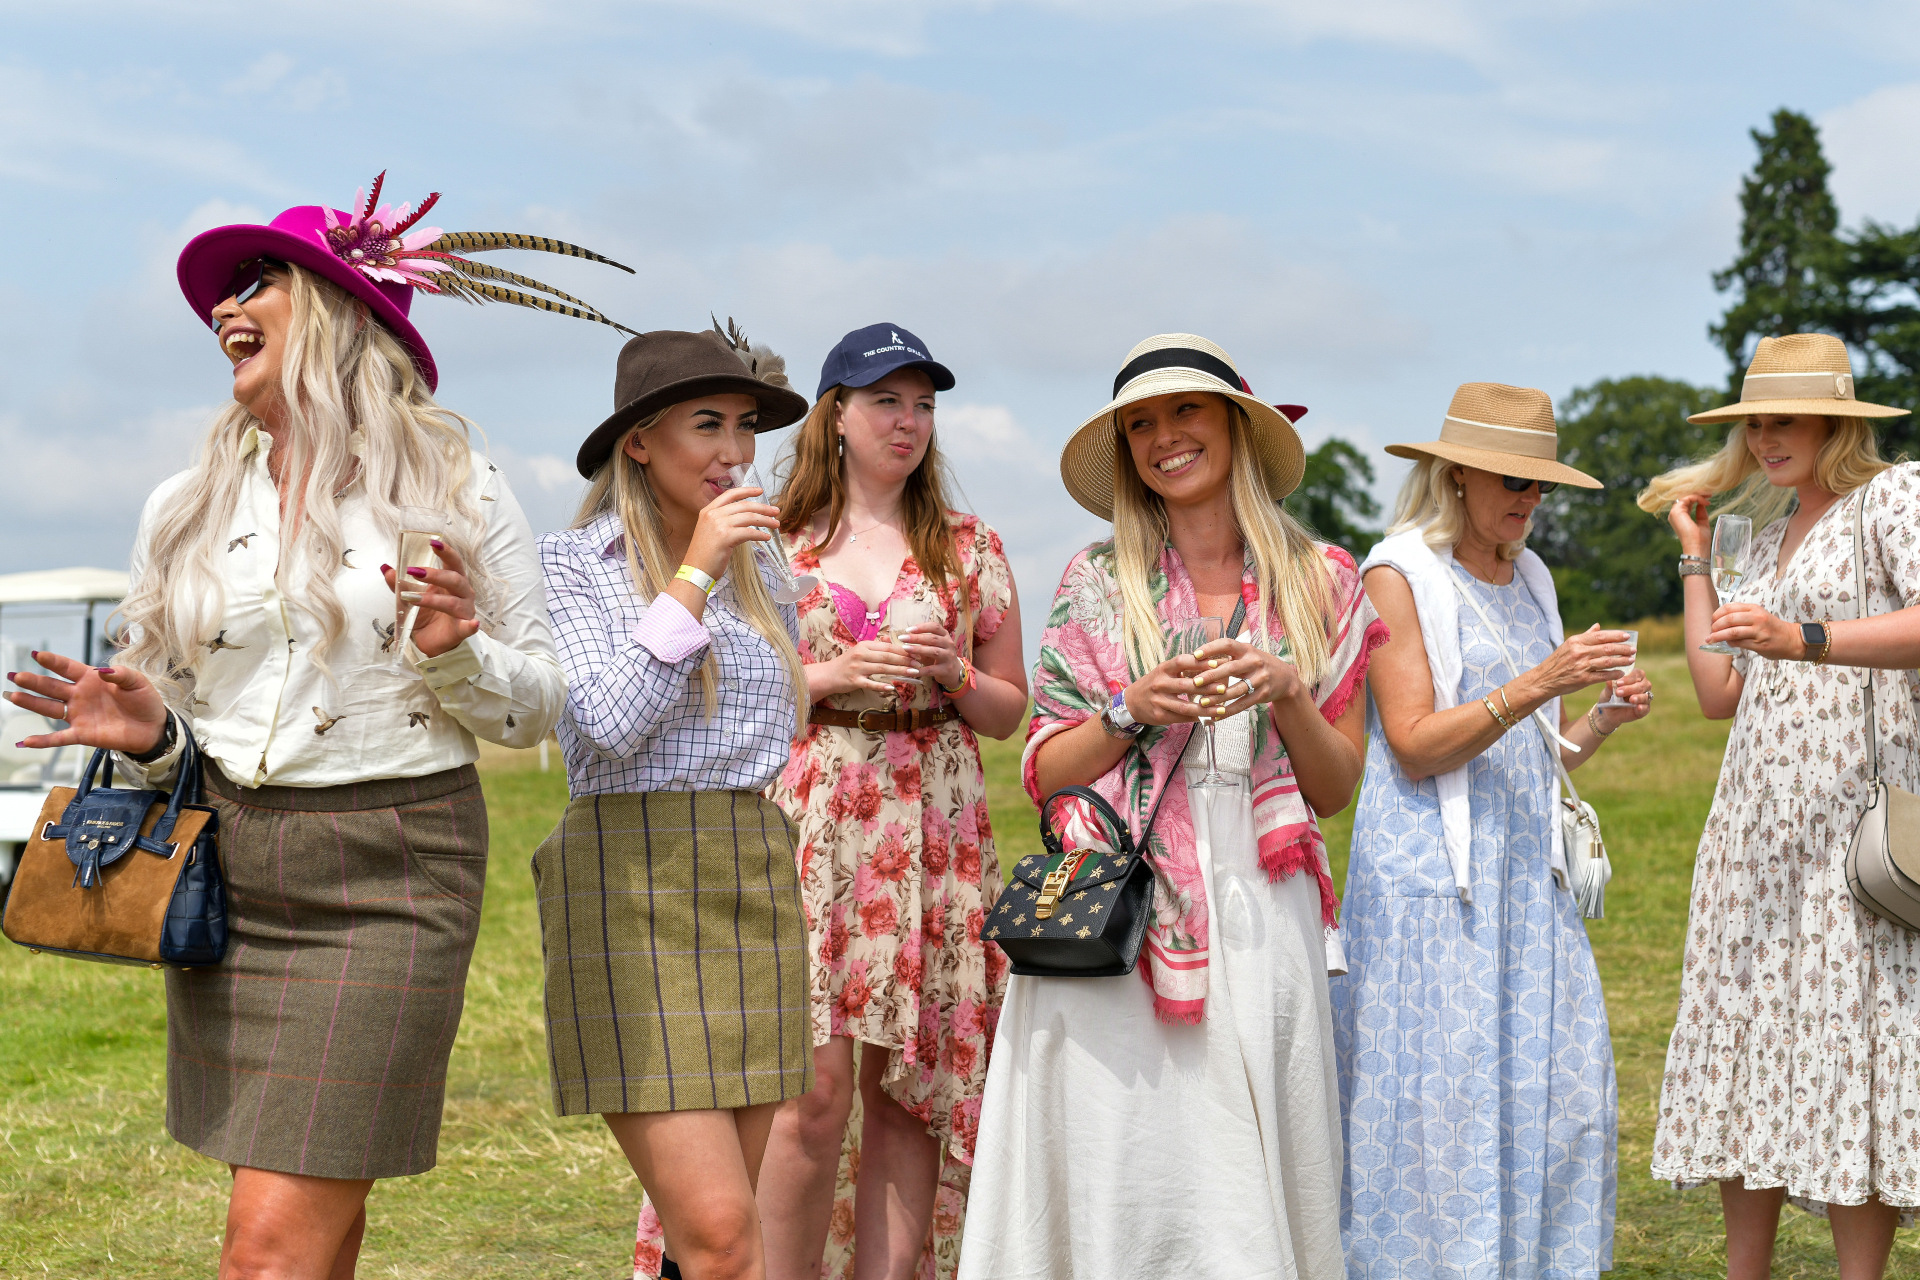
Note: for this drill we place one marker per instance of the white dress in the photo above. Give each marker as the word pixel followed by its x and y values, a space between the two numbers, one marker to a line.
pixel 1114 1145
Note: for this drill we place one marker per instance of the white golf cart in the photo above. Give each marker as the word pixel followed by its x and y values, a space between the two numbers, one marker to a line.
pixel 65 611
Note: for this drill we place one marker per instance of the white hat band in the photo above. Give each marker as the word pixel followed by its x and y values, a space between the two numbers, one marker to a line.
pixel 1797 386
pixel 1488 435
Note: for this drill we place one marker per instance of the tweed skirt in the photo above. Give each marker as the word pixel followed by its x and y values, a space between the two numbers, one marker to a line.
pixel 676 954
pixel 319 1045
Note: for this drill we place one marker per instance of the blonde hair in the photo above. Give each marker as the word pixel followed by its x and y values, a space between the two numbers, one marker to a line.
pixel 343 375
pixel 1429 502
pixel 1847 459
pixel 620 485
pixel 1292 575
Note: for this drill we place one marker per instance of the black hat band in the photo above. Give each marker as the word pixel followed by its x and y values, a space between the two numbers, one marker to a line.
pixel 1179 358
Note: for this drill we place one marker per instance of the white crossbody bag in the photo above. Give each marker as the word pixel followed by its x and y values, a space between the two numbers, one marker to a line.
pixel 1588 869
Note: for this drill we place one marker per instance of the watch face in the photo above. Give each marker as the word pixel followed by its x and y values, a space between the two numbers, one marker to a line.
pixel 1813 633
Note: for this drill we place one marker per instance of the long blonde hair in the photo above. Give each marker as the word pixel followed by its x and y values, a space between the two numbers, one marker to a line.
pixel 357 412
pixel 620 485
pixel 1428 501
pixel 1847 459
pixel 1293 577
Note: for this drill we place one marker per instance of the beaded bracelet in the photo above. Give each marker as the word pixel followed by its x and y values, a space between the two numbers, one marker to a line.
pixel 1593 723
pixel 699 578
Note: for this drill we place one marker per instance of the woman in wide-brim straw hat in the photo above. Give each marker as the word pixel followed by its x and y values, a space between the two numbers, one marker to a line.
pixel 1792 1071
pixel 1184 1120
pixel 1465 941
pixel 676 957
pixel 339 745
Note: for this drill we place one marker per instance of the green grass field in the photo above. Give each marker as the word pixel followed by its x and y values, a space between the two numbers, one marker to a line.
pixel 90 1185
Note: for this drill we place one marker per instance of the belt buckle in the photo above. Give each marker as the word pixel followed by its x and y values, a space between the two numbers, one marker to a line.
pixel 861 719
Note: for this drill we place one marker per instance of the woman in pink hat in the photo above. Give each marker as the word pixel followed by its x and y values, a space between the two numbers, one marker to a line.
pixel 338 698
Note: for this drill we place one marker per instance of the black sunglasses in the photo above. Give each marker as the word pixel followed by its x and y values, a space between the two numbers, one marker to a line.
pixel 247 279
pixel 1516 484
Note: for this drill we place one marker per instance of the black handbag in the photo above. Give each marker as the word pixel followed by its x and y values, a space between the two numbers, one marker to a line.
pixel 124 876
pixel 1079 912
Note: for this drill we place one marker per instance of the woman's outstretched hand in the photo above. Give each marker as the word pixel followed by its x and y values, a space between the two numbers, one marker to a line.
pixel 112 707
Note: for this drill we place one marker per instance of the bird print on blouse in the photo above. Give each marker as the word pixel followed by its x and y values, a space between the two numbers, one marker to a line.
pixel 326 721
pixel 219 642
pixel 241 541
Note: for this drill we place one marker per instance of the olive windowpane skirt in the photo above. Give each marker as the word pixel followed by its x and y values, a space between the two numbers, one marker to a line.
pixel 676 954
pixel 319 1045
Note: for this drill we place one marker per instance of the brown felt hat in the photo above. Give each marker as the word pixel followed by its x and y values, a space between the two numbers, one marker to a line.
pixel 1160 365
pixel 1506 430
pixel 1798 373
pixel 667 367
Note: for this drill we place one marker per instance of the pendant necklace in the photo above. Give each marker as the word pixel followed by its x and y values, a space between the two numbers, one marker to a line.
pixel 855 537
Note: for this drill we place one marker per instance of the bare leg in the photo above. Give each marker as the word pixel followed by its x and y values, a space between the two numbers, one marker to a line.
pixel 697 1168
pixel 1753 1220
pixel 803 1160
pixel 284 1226
pixel 899 1177
pixel 1863 1238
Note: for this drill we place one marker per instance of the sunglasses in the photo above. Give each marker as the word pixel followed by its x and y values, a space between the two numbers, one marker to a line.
pixel 1515 484
pixel 247 279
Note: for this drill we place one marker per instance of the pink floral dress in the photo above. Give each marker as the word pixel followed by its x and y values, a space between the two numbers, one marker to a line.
pixel 897 873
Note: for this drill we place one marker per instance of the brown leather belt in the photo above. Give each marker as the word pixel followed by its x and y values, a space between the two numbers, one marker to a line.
pixel 878 720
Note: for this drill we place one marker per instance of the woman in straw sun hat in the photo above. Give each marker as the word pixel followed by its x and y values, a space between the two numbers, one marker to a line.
pixel 1183 1121
pixel 1792 1071
pixel 1475 1069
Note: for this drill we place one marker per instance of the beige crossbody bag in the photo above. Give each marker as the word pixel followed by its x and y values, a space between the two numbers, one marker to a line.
pixel 1883 860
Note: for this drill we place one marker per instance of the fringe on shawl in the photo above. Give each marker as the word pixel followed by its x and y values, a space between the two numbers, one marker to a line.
pixel 1375 635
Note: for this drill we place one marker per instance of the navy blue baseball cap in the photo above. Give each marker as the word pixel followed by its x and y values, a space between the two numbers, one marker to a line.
pixel 867 355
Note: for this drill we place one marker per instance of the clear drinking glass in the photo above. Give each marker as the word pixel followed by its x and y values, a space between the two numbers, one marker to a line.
pixel 1732 535
pixel 419 526
pixel 789 589
pixel 1613 687
pixel 1205 631
pixel 900 617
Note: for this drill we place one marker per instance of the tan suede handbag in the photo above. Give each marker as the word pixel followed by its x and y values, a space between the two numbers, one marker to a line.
pixel 1883 861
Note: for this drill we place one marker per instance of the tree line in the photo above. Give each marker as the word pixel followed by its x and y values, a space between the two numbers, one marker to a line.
pixel 1797 271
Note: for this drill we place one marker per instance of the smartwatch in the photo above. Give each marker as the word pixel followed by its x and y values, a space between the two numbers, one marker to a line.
pixel 1118 721
pixel 1818 639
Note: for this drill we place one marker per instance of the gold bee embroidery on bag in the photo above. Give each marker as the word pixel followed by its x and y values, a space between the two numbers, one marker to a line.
pixel 326 722
pixel 1020 919
pixel 1083 933
pixel 1094 909
pixel 1036 932
pixel 1066 920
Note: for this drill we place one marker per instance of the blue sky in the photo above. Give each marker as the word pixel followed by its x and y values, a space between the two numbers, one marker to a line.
pixel 1367 203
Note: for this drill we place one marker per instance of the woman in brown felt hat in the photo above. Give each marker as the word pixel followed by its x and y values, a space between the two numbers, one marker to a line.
pixel 676 962
pixel 1792 1073
pixel 1463 918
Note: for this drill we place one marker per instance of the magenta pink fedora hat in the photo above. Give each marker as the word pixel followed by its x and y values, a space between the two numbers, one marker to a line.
pixel 381 257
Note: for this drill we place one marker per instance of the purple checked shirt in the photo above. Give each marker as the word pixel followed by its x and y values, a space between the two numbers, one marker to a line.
pixel 634 719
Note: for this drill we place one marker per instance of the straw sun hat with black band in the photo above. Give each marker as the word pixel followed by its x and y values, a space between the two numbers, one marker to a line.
pixel 1809 373
pixel 1162 365
pixel 1509 431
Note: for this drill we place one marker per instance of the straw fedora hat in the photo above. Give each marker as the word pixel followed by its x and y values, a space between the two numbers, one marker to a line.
pixel 1161 365
pixel 1798 373
pixel 1508 430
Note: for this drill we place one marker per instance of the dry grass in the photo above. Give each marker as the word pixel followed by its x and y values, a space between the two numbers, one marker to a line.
pixel 90 1185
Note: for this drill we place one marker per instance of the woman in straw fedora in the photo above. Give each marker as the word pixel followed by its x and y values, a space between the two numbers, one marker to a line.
pixel 1476 1075
pixel 1793 1072
pixel 676 963
pixel 1184 1120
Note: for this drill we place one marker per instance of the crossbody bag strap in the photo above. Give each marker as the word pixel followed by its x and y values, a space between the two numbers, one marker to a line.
pixel 1539 715
pixel 1860 611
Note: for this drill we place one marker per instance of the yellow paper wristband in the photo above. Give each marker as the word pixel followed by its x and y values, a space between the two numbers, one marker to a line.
pixel 699 578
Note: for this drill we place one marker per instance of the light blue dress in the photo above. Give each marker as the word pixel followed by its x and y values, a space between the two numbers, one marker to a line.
pixel 1476 1074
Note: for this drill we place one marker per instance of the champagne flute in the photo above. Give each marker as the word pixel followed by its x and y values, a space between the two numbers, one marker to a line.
pixel 1205 632
pixel 419 526
pixel 1613 686
pixel 788 589
pixel 901 617
pixel 1732 535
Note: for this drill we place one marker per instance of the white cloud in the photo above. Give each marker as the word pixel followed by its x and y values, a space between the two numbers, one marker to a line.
pixel 1871 143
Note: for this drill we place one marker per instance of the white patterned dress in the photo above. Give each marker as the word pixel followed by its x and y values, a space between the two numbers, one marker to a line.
pixel 1795 1060
pixel 1476 1072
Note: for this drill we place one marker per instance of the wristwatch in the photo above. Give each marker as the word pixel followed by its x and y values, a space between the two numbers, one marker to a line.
pixel 168 736
pixel 1118 721
pixel 1818 639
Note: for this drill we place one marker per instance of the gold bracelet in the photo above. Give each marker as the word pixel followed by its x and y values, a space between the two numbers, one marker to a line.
pixel 1502 691
pixel 1593 723
pixel 1504 723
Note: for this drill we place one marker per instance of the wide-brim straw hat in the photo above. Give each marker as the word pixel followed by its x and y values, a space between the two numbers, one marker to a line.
pixel 1162 365
pixel 1503 429
pixel 1799 373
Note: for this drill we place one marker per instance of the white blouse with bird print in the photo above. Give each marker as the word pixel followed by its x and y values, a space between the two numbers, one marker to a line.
pixel 269 715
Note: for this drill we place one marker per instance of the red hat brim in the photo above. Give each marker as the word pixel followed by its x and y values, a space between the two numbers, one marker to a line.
pixel 208 262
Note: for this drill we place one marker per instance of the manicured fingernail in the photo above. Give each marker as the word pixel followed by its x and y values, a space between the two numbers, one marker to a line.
pixel 417 573
pixel 105 671
pixel 436 544
pixel 20 744
pixel 386 568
